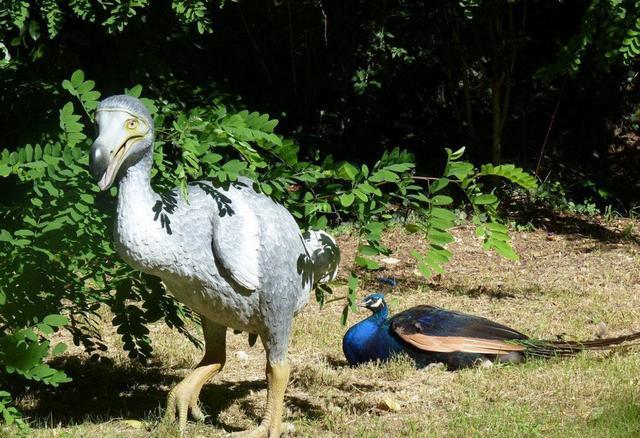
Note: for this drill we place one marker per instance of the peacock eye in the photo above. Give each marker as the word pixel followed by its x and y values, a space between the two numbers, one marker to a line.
pixel 131 124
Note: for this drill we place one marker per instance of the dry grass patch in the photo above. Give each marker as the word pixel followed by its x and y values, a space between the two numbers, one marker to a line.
pixel 563 284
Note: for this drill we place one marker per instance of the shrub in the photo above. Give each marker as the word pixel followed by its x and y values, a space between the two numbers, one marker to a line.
pixel 60 265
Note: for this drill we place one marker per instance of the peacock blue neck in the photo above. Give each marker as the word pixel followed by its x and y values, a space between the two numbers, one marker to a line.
pixel 370 339
pixel 380 315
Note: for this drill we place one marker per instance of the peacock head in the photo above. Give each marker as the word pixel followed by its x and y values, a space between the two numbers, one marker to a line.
pixel 374 302
pixel 125 135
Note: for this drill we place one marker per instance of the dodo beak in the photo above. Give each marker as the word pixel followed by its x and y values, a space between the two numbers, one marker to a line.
pixel 110 149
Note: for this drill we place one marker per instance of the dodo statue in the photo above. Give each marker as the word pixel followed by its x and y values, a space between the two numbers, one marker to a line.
pixel 228 252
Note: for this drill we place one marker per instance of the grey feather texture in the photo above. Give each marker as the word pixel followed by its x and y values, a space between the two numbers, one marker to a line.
pixel 231 254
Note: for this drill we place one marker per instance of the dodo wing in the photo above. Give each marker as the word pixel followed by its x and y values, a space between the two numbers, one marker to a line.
pixel 236 238
pixel 441 331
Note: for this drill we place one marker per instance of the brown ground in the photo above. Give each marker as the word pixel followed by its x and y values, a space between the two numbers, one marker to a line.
pixel 565 283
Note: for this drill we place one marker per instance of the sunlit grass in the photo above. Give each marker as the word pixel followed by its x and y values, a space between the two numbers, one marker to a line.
pixel 564 285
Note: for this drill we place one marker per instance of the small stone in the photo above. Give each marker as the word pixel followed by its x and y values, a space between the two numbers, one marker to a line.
pixel 289 427
pixel 389 261
pixel 389 404
pixel 241 356
pixel 134 424
pixel 435 366
pixel 601 330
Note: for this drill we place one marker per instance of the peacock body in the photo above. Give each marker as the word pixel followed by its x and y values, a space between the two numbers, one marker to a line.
pixel 430 334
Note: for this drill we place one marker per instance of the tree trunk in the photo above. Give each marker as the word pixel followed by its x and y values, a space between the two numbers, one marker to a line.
pixel 498 124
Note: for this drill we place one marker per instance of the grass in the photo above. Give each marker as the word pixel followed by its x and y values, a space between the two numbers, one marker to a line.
pixel 563 284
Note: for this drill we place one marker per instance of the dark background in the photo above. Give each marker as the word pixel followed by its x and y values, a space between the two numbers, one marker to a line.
pixel 429 69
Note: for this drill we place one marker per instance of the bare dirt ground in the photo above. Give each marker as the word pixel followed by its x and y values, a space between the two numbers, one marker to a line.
pixel 573 275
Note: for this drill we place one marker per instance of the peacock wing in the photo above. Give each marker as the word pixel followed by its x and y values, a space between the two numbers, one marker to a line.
pixel 236 235
pixel 437 330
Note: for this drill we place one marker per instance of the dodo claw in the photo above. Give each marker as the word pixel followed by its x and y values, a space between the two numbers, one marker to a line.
pixel 180 402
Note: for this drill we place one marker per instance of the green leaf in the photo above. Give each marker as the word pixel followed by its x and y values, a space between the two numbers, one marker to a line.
pixel 367 263
pixel 60 348
pixel 77 78
pixel 412 228
pixel 497 227
pixel 55 320
pixel 5 236
pixel 367 250
pixel 352 283
pixel 44 328
pixel 5 170
pixel 439 237
pixel 212 158
pixel 441 200
pixel 345 315
pixel 459 170
pixel 360 195
pixel 135 91
pixel 348 171
pixel 266 188
pixel 443 214
pixel 400 167
pixel 346 199
pixel 455 155
pixel 439 185
pixel 86 198
pixel 512 173
pixel 484 199
pixel 504 249
pixel 424 270
pixel 384 175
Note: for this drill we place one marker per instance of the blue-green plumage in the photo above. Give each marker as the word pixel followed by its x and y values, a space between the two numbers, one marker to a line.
pixel 371 339
pixel 374 338
pixel 430 334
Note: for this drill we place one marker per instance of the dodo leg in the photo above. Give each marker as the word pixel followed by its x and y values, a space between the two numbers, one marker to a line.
pixel 184 396
pixel 277 379
pixel 271 425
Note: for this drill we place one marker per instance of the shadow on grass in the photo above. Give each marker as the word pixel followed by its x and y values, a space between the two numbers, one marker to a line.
pixel 102 391
pixel 579 226
pixel 493 292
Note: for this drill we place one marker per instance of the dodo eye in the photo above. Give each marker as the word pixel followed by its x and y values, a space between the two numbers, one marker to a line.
pixel 131 124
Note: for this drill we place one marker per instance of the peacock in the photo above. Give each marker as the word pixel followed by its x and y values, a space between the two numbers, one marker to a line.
pixel 431 335
pixel 227 251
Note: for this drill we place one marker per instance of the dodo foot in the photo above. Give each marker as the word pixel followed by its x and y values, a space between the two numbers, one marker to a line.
pixel 183 399
pixel 262 431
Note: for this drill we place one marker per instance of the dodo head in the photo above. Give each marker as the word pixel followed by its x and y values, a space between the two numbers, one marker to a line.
pixel 125 135
pixel 374 302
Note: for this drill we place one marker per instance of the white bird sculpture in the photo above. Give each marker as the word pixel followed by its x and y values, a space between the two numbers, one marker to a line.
pixel 231 254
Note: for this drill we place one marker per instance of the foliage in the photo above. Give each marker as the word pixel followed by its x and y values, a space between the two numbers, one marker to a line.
pixel 345 78
pixel 554 196
pixel 609 27
pixel 29 17
pixel 56 240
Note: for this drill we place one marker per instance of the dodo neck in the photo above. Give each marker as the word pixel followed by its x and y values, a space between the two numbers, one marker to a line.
pixel 135 189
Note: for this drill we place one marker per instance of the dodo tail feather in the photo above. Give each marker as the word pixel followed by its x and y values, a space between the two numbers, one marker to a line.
pixel 324 253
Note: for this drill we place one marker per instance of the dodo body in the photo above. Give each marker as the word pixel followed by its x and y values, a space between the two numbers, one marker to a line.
pixel 228 252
